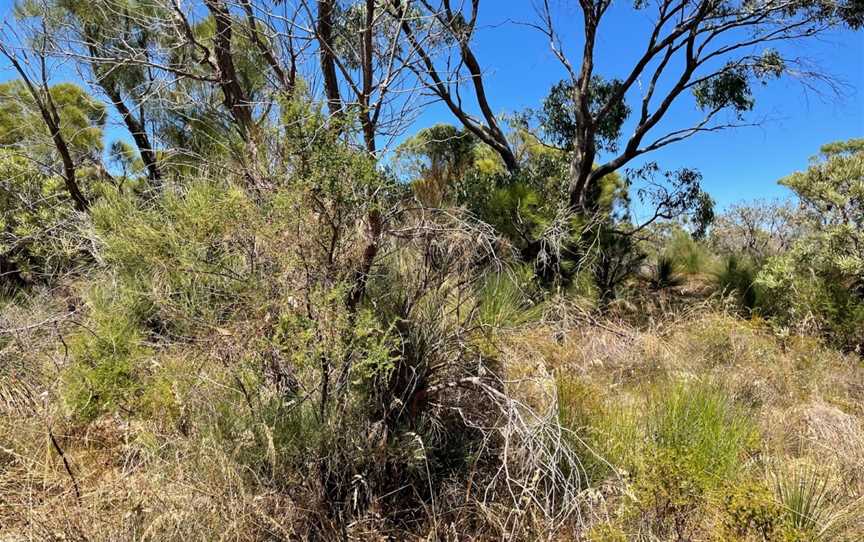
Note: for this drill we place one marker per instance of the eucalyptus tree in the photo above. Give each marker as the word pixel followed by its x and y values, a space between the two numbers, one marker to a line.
pixel 710 50
pixel 366 65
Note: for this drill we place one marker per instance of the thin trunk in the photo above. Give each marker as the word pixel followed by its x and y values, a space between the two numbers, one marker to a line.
pixel 72 187
pixel 584 150
pixel 361 276
pixel 286 80
pixel 327 55
pixel 50 117
pixel 139 135
pixel 234 97
pixel 134 124
pixel 367 67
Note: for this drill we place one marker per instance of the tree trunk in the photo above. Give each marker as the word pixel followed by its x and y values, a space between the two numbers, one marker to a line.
pixel 328 60
pixel 234 97
pixel 139 135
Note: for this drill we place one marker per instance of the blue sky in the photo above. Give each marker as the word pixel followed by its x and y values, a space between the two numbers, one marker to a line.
pixel 737 165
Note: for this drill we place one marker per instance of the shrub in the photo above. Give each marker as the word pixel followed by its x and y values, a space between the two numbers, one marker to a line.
pixel 819 283
pixel 39 229
pixel 737 277
pixel 751 509
pixel 106 352
pixel 186 254
pixel 506 298
pixel 807 300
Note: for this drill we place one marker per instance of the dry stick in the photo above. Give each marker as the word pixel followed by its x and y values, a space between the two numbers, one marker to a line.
pixel 52 320
pixel 65 463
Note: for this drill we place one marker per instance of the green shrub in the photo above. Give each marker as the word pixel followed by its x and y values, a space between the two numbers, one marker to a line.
pixel 696 439
pixel 736 276
pixel 505 298
pixel 185 255
pixel 809 300
pixel 40 238
pixel 751 509
pixel 106 351
pixel 686 254
pixel 819 283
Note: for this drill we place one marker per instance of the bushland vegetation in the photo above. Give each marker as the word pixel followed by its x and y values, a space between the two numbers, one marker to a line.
pixel 272 311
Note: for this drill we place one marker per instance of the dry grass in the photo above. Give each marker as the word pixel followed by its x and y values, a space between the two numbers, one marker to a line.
pixel 170 476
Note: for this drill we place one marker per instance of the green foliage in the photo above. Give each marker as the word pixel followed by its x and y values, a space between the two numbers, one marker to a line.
pixel 697 438
pixel 126 158
pixel 505 298
pixel 685 253
pixel 38 227
pixel 602 434
pixel 185 254
pixel 615 259
pixel 737 276
pixel 82 119
pixel 376 350
pixel 438 161
pixel 558 118
pixel 797 298
pixel 831 191
pixel 518 211
pixel 808 505
pixel 677 450
pixel 750 508
pixel 677 198
pixel 105 375
pixel 270 437
pixel 819 283
pixel 699 425
pixel 730 88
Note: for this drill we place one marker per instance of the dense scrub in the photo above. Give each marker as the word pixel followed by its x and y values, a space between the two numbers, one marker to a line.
pixel 211 377
pixel 273 308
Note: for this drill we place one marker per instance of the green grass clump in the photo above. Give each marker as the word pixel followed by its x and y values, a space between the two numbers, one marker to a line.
pixel 687 255
pixel 736 276
pixel 695 442
pixel 700 425
pixel 664 273
pixel 808 505
pixel 504 298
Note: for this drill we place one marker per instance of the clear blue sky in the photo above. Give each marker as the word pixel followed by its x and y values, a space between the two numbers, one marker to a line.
pixel 740 164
